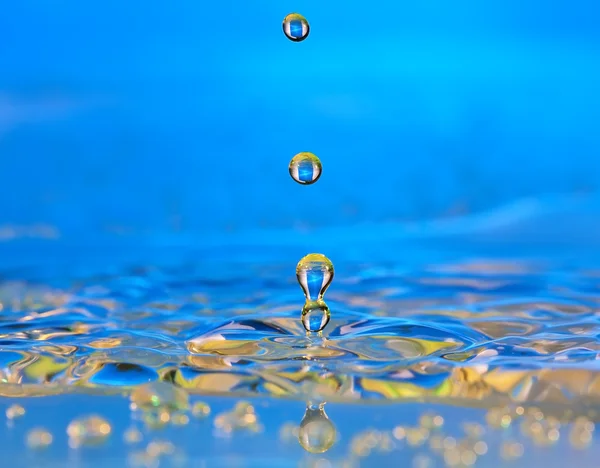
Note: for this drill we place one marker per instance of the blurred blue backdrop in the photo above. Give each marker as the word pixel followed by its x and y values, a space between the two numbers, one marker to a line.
pixel 123 117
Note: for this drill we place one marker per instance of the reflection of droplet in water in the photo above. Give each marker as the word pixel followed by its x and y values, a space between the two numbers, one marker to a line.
pixel 38 438
pixel 317 433
pixel 305 168
pixel 315 316
pixel 296 27
pixel 315 273
pixel 90 430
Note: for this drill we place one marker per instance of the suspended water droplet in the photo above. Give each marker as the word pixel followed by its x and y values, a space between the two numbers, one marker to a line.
pixel 296 27
pixel 315 316
pixel 305 168
pixel 314 273
pixel 317 433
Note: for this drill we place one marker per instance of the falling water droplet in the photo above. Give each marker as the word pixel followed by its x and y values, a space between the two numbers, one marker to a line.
pixel 315 273
pixel 296 27
pixel 305 168
pixel 317 433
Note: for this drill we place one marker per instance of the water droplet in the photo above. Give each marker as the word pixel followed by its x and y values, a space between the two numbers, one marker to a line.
pixel 314 273
pixel 317 433
pixel 296 27
pixel 315 316
pixel 38 438
pixel 90 430
pixel 305 168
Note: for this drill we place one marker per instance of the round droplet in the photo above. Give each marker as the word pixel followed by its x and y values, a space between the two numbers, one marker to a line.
pixel 314 273
pixel 315 316
pixel 296 27
pixel 317 433
pixel 305 168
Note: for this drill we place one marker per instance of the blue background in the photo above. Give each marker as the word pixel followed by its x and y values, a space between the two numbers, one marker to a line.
pixel 162 117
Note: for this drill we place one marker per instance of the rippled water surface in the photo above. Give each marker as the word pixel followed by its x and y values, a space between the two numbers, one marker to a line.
pixel 506 335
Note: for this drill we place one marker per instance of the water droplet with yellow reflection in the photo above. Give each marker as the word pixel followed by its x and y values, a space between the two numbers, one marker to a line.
pixel 296 27
pixel 315 273
pixel 305 168
pixel 315 316
pixel 317 433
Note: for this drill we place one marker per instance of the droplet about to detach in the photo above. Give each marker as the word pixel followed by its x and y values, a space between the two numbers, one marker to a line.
pixel 296 27
pixel 305 168
pixel 314 273
pixel 315 316
pixel 317 433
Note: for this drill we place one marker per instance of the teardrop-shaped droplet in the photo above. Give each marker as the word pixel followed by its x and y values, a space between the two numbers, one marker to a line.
pixel 317 433
pixel 314 273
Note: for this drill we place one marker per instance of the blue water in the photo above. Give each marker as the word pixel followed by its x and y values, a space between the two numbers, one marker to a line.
pixel 460 320
pixel 149 231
